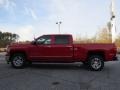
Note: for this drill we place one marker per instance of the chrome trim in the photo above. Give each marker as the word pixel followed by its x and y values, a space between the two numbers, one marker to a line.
pixel 50 56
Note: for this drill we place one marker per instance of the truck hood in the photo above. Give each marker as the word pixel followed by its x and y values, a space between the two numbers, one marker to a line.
pixel 20 44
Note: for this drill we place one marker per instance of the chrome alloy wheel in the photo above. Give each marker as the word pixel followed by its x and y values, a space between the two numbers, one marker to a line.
pixel 96 63
pixel 18 61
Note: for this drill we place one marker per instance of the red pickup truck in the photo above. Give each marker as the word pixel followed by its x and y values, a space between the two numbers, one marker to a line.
pixel 59 48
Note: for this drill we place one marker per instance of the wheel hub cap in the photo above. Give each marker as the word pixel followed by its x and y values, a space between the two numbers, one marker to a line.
pixel 18 61
pixel 96 63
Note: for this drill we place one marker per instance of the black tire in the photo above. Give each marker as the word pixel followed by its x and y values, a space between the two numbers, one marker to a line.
pixel 96 62
pixel 85 63
pixel 18 60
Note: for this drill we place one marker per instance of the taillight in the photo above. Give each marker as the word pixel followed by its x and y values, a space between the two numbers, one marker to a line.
pixel 114 50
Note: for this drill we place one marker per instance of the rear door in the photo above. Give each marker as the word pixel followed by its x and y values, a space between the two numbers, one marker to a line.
pixel 62 49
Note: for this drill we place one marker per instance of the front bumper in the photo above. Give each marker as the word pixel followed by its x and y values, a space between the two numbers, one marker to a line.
pixel 7 58
pixel 115 58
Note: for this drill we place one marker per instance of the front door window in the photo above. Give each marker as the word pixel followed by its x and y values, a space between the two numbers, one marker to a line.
pixel 44 40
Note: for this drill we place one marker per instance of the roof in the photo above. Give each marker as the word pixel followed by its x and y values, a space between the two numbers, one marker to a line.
pixel 58 34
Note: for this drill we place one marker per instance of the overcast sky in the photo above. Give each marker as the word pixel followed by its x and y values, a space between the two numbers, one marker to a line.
pixel 30 18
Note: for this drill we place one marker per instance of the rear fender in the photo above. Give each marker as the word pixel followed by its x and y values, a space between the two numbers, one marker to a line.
pixel 101 53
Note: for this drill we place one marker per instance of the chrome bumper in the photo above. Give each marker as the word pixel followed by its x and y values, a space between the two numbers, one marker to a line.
pixel 115 58
pixel 7 58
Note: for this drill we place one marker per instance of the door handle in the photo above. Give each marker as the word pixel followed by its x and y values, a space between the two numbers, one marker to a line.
pixel 49 46
pixel 71 49
pixel 69 46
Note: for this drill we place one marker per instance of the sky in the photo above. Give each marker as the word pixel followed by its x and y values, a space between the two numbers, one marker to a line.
pixel 32 18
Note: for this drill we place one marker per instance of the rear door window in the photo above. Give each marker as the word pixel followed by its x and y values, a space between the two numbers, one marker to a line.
pixel 61 39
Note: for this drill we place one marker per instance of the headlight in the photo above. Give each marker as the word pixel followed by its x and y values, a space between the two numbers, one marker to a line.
pixel 7 49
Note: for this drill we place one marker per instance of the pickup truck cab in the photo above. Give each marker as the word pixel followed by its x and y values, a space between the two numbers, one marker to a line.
pixel 59 48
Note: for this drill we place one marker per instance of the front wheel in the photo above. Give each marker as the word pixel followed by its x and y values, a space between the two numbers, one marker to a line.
pixel 96 62
pixel 18 60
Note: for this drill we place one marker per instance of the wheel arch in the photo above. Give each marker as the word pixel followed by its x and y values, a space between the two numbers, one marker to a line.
pixel 17 52
pixel 99 53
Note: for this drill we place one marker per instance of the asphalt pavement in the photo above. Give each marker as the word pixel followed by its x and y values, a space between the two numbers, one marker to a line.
pixel 59 77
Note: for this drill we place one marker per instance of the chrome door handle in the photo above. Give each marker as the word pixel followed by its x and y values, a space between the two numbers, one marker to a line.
pixel 71 49
pixel 49 46
pixel 75 49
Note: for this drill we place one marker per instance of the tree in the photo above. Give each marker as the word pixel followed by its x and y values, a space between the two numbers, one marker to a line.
pixel 7 38
pixel 103 36
pixel 15 37
pixel 118 41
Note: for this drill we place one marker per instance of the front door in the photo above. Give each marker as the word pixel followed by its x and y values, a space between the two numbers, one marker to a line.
pixel 41 49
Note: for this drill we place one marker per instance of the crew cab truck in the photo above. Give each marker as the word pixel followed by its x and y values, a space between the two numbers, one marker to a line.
pixel 59 48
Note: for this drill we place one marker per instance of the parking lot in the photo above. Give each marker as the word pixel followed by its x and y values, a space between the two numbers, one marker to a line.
pixel 59 77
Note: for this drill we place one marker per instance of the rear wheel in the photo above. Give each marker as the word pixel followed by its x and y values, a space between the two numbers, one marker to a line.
pixel 96 62
pixel 18 60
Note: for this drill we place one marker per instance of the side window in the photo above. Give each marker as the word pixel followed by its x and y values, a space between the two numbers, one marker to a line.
pixel 44 40
pixel 63 39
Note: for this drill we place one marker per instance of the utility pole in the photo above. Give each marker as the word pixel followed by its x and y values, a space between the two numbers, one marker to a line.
pixel 112 21
pixel 59 23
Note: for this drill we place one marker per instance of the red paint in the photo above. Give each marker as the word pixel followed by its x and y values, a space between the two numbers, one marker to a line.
pixel 62 52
